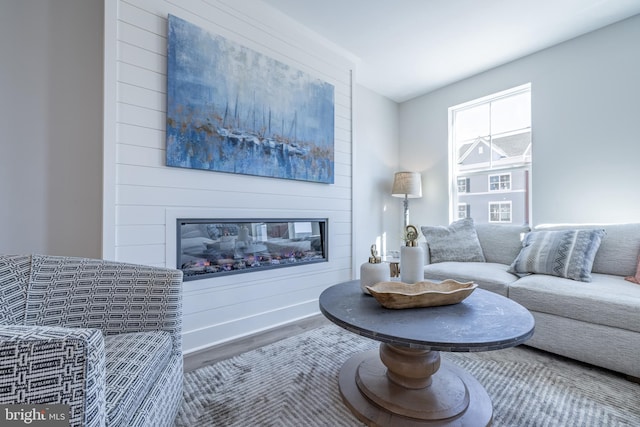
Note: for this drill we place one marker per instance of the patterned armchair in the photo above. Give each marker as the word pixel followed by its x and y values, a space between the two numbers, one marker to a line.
pixel 100 336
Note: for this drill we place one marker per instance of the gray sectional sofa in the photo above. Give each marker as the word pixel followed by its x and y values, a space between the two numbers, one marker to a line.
pixel 595 320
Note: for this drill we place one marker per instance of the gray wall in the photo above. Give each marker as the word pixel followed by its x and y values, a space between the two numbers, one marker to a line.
pixel 51 126
pixel 585 129
pixel 377 215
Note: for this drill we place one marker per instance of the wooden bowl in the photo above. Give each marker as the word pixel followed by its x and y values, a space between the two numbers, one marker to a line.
pixel 421 294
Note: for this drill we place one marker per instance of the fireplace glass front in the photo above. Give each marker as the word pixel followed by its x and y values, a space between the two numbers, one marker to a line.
pixel 215 247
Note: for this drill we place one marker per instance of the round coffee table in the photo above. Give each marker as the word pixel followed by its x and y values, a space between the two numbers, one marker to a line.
pixel 406 383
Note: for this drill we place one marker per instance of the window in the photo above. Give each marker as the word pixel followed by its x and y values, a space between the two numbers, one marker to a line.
pixel 464 211
pixel 500 182
pixel 490 151
pixel 500 211
pixel 463 185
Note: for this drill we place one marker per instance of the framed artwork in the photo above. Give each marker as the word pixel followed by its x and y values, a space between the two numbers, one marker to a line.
pixel 232 109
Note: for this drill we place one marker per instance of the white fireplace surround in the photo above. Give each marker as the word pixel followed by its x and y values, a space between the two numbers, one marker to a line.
pixel 217 309
pixel 143 198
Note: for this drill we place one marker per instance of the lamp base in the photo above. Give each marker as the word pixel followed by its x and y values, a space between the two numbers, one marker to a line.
pixel 405 203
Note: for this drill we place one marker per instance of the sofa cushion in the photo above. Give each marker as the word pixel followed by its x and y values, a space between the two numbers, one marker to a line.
pixel 134 362
pixel 501 243
pixel 607 300
pixel 636 277
pixel 490 276
pixel 457 242
pixel 619 249
pixel 568 253
pixel 195 244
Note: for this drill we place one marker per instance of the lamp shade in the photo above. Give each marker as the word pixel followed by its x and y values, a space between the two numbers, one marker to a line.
pixel 407 184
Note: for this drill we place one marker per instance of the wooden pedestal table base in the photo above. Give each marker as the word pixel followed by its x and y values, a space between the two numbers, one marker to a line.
pixel 401 386
pixel 406 383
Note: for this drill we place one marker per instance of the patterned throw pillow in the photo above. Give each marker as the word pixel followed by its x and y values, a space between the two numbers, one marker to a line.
pixel 567 253
pixel 457 242
pixel 636 278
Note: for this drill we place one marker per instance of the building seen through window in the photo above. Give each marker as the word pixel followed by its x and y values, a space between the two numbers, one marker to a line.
pixel 490 146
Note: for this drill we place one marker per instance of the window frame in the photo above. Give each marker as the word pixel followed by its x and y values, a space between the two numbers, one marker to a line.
pixel 500 203
pixel 492 167
pixel 499 175
pixel 466 184
pixel 467 210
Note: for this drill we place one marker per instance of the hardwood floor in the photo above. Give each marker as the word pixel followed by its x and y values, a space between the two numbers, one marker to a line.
pixel 229 349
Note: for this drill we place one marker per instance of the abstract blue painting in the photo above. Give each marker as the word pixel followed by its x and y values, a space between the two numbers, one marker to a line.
pixel 232 109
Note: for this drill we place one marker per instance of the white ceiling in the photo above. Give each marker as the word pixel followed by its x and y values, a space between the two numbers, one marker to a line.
pixel 405 48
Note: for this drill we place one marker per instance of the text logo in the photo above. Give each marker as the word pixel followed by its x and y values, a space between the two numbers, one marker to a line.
pixel 34 415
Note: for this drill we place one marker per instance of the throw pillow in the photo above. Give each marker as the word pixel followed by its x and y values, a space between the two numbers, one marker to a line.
pixel 567 253
pixel 636 278
pixel 457 242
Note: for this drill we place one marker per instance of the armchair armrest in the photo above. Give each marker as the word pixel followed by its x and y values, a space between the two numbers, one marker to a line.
pixel 40 364
pixel 114 297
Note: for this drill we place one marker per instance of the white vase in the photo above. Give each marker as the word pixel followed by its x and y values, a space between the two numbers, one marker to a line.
pixel 411 264
pixel 372 273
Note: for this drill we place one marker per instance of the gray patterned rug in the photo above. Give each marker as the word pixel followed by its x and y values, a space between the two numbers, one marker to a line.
pixel 294 382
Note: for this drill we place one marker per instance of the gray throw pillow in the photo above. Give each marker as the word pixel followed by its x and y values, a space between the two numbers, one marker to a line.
pixel 457 242
pixel 567 254
pixel 501 243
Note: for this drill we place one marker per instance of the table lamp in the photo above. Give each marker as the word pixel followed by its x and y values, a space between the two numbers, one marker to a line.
pixel 409 186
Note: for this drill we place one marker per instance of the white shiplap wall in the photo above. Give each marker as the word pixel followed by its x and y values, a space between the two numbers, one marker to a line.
pixel 143 197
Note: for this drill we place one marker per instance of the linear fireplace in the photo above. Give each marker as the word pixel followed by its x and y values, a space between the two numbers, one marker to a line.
pixel 214 247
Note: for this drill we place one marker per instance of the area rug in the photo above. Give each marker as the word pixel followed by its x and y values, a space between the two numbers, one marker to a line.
pixel 294 382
